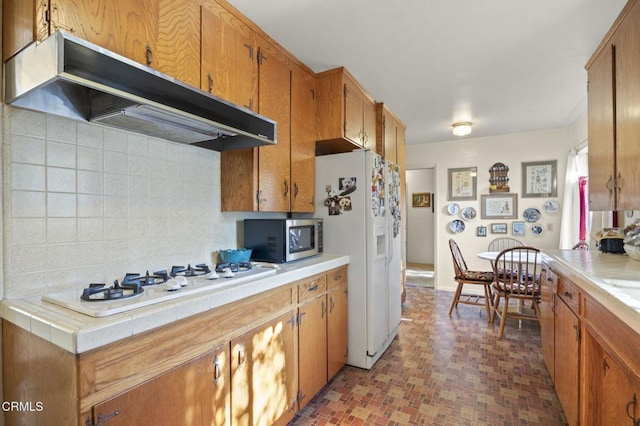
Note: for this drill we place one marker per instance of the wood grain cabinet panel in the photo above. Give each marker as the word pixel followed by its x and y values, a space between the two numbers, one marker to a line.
pixel 228 52
pixel 567 355
pixel 312 353
pixel 547 318
pixel 196 393
pixel 303 140
pixel 346 113
pixel 264 377
pixel 337 328
pixel 614 93
pixel 129 27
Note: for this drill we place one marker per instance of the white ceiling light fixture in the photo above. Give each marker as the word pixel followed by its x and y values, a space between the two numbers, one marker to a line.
pixel 461 128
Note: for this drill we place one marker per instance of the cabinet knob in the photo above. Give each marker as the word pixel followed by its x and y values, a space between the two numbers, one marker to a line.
pixel 210 81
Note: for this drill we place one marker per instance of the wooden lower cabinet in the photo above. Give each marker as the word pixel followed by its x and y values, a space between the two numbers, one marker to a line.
pixel 255 361
pixel 196 393
pixel 264 374
pixel 567 355
pixel 593 353
pixel 312 352
pixel 337 321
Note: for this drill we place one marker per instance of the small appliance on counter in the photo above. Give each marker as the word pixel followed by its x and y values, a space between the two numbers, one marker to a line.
pixel 610 240
pixel 283 240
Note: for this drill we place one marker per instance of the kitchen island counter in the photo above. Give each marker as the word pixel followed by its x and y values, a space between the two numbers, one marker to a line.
pixel 78 333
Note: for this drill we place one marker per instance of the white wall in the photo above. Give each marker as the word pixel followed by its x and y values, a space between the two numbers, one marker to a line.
pixel 511 150
pixel 420 220
pixel 85 203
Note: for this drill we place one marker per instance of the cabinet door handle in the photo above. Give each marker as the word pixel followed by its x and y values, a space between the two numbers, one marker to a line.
pixel 619 182
pixel 332 304
pixel 210 80
pixel 295 189
pixel 324 308
pixel 609 184
pixel 300 314
pixel 633 403
pixel 250 50
pixel 217 371
pixel 314 287
pixel 286 188
pixel 241 357
pixel 567 294
pixel 149 54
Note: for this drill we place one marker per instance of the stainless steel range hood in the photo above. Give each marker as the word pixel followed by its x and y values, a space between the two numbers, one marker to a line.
pixel 68 76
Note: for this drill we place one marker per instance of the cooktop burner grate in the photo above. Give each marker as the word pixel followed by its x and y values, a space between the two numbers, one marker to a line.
pixel 98 292
pixel 199 269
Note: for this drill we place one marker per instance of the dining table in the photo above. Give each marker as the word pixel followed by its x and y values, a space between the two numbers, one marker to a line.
pixel 492 255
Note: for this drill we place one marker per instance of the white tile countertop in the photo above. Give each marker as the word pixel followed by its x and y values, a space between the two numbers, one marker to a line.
pixel 597 274
pixel 77 333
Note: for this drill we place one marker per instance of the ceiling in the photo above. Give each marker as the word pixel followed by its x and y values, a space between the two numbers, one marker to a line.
pixel 508 66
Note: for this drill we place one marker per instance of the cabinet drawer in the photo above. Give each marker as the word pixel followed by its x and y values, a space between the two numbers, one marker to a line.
pixel 312 287
pixel 570 294
pixel 336 277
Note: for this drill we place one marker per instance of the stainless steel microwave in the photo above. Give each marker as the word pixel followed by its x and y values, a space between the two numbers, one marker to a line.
pixel 282 240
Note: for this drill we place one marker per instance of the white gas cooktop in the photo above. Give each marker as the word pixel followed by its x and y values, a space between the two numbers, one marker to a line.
pixel 153 294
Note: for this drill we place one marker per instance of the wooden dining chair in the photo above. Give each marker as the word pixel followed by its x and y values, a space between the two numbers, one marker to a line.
pixel 464 276
pixel 502 243
pixel 516 277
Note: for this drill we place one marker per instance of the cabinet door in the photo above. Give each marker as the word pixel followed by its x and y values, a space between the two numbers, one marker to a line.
pixel 627 56
pixel 275 102
pixel 312 352
pixel 389 135
pixel 619 396
pixel 548 288
pixel 264 374
pixel 127 27
pixel 567 338
pixel 353 113
pixel 303 140
pixel 229 66
pixel 601 132
pixel 337 330
pixel 195 393
pixel 178 47
pixel 368 123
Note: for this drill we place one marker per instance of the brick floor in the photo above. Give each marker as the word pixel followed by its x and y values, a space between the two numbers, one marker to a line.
pixel 443 370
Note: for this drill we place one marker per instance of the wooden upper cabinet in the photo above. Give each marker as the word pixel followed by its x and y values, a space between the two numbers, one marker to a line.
pixel 303 140
pixel 259 179
pixel 23 22
pixel 390 135
pixel 178 45
pixel 229 57
pixel 601 132
pixel 127 27
pixel 627 64
pixel 614 93
pixel 275 103
pixel 346 113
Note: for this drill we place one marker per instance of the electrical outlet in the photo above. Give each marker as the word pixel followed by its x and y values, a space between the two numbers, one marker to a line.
pixel 549 226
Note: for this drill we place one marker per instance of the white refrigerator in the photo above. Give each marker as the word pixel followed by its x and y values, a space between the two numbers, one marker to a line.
pixel 358 196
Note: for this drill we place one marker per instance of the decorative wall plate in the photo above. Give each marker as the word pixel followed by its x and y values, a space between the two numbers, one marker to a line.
pixel 537 230
pixel 551 206
pixel 456 226
pixel 469 213
pixel 453 208
pixel 532 215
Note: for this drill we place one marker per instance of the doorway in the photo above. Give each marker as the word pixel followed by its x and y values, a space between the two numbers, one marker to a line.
pixel 420 226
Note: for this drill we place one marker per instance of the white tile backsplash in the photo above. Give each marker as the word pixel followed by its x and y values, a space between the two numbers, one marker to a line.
pixel 86 203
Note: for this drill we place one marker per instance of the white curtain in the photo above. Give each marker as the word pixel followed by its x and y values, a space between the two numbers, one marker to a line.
pixel 577 165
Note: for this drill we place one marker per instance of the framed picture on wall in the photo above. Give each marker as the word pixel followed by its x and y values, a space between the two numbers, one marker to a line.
pixel 420 199
pixel 502 206
pixel 481 231
pixel 461 183
pixel 539 179
pixel 517 228
pixel 498 228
